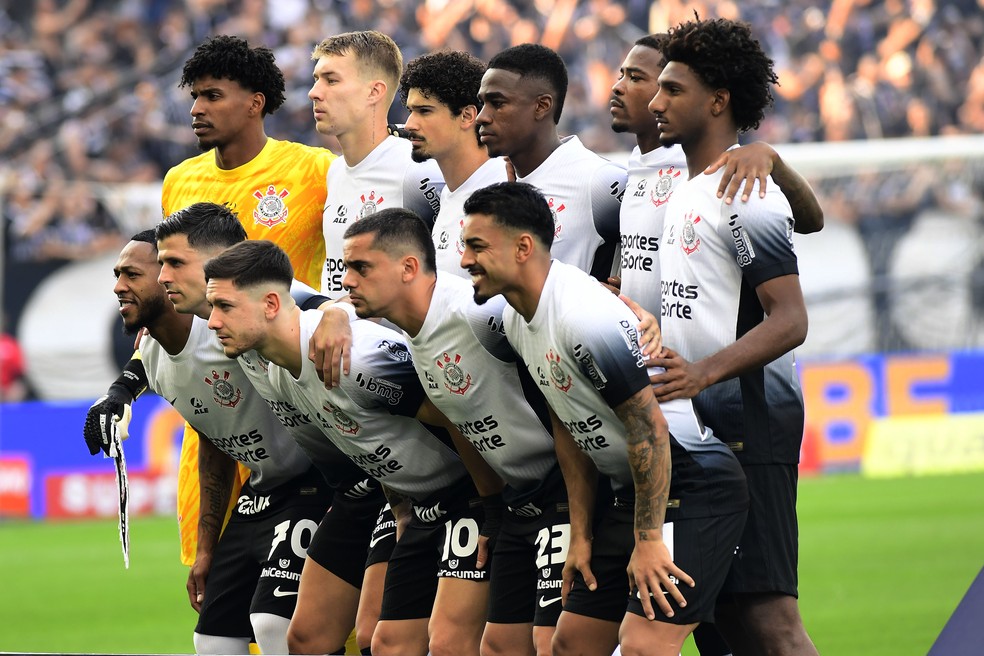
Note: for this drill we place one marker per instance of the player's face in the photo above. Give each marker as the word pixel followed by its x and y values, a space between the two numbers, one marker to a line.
pixel 183 274
pixel 681 105
pixel 433 128
pixel 237 317
pixel 488 256
pixel 340 95
pixel 221 111
pixel 636 86
pixel 142 299
pixel 508 118
pixel 372 278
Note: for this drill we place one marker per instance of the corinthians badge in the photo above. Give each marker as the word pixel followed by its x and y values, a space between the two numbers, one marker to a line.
pixel 271 209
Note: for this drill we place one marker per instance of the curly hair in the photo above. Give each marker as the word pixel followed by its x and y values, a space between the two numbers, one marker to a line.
pixel 723 54
pixel 451 77
pixel 532 60
pixel 231 58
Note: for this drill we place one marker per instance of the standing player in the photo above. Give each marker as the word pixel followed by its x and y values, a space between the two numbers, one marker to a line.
pixel 733 311
pixel 355 80
pixel 474 377
pixel 370 417
pixel 441 92
pixel 523 95
pixel 655 171
pixel 245 583
pixel 579 343
pixel 274 187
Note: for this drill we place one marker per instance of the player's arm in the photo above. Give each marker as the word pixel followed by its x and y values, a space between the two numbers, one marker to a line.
pixel 216 473
pixel 111 412
pixel 754 163
pixel 651 569
pixel 487 482
pixel 581 480
pixel 783 329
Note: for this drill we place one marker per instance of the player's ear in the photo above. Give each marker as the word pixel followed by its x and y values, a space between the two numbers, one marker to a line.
pixel 257 103
pixel 720 99
pixel 377 91
pixel 271 304
pixel 544 107
pixel 524 246
pixel 411 267
pixel 467 117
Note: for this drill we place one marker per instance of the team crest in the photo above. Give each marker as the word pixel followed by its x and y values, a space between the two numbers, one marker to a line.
pixel 271 209
pixel 661 193
pixel 370 204
pixel 545 572
pixel 555 211
pixel 461 240
pixel 456 380
pixel 341 420
pixel 284 563
pixel 223 392
pixel 688 238
pixel 561 379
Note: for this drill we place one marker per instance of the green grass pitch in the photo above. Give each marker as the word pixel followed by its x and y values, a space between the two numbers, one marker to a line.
pixel 883 563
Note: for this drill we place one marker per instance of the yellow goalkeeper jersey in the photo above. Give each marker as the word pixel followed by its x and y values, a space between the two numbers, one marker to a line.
pixel 279 195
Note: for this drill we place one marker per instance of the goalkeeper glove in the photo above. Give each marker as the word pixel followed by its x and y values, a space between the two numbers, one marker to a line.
pixel 108 414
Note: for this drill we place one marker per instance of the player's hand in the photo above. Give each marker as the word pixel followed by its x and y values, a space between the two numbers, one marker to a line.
pixel 614 283
pixel 578 560
pixel 510 170
pixel 650 337
pixel 196 581
pixel 653 575
pixel 330 348
pixel 681 380
pixel 140 336
pixel 747 165
pixel 108 415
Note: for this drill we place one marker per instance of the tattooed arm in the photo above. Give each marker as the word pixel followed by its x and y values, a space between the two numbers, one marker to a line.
pixel 216 472
pixel 651 569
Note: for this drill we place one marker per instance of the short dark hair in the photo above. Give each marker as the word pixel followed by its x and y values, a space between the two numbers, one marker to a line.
pixel 515 205
pixel 531 60
pixel 723 54
pixel 207 226
pixel 396 231
pixel 654 41
pixel 231 58
pixel 451 77
pixel 146 236
pixel 250 263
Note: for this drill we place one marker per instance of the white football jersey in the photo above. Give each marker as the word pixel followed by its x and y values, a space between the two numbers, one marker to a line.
pixel 387 177
pixel 713 256
pixel 471 374
pixel 653 176
pixel 448 244
pixel 584 191
pixel 370 415
pixel 582 348
pixel 212 393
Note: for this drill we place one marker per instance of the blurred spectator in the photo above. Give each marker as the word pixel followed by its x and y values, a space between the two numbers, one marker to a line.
pixel 13 384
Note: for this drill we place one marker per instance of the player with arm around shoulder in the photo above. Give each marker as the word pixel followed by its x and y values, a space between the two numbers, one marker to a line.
pixel 590 367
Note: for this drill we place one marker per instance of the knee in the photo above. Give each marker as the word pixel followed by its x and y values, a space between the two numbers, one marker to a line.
pixel 364 630
pixel 633 646
pixel 454 641
pixel 303 640
pixel 563 644
pixel 493 646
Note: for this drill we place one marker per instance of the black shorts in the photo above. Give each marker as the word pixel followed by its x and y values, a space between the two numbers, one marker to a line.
pixel 383 537
pixel 256 567
pixel 529 563
pixel 342 541
pixel 445 547
pixel 767 556
pixel 702 547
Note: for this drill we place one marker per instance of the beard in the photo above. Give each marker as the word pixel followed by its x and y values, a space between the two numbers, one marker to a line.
pixel 150 311
pixel 418 155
